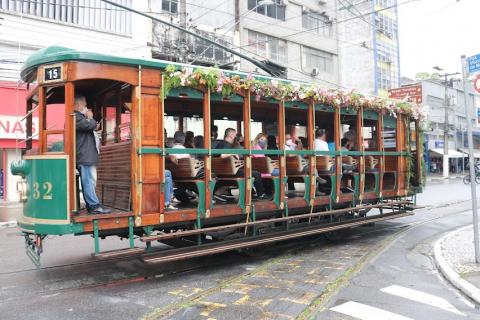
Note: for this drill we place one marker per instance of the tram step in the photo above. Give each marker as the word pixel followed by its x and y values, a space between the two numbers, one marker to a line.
pixel 118 253
pixel 209 249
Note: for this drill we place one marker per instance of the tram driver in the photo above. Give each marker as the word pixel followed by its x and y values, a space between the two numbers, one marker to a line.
pixel 87 154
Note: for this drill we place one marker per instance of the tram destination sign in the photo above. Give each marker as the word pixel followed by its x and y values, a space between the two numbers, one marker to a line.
pixel 53 73
pixel 473 64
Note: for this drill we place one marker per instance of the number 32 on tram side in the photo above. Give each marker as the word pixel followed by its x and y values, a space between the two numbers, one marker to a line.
pixel 311 191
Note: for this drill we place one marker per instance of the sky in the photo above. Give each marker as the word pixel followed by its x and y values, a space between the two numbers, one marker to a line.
pixel 437 33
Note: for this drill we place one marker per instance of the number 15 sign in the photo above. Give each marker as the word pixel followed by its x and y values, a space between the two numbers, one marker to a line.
pixel 53 73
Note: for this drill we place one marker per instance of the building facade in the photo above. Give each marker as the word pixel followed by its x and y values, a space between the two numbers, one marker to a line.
pixel 297 37
pixel 29 25
pixel 433 92
pixel 369 45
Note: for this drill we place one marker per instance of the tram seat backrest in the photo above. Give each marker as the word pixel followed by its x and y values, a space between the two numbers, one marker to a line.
pixel 295 165
pixel 264 164
pixel 186 168
pixel 370 162
pixel 324 163
pixel 228 166
pixel 349 160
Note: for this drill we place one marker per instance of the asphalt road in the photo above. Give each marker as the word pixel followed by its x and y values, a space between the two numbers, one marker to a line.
pixel 403 281
pixel 298 279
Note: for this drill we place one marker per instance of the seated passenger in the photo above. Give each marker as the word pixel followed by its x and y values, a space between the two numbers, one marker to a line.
pixel 289 143
pixel 198 144
pixel 169 191
pixel 227 143
pixel 181 193
pixel 272 143
pixel 189 139
pixel 321 140
pixel 260 143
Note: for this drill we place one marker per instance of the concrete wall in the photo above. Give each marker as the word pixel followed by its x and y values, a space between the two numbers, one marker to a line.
pixel 293 25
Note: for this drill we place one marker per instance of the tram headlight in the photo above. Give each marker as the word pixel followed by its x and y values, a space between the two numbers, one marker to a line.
pixel 22 189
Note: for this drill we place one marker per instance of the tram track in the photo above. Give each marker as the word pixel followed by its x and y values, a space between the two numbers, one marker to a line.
pixel 283 251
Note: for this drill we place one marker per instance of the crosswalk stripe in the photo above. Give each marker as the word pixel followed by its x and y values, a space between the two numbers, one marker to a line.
pixel 422 297
pixel 366 312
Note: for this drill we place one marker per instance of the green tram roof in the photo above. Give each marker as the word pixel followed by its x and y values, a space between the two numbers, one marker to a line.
pixel 55 54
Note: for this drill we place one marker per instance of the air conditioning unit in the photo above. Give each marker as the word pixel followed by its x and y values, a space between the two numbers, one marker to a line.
pixel 322 2
pixel 315 72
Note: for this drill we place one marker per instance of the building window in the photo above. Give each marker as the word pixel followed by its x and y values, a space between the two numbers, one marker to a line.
pixel 385 3
pixel 272 48
pixel 317 22
pixel 275 11
pixel 316 59
pixel 170 6
pixel 386 25
pixel 90 13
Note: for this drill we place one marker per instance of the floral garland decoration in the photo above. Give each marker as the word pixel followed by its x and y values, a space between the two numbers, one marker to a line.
pixel 227 85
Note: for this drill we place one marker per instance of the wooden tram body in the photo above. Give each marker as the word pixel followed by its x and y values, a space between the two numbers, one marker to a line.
pixel 131 171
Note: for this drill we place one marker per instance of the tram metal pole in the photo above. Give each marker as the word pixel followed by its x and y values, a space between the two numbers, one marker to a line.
pixel 471 161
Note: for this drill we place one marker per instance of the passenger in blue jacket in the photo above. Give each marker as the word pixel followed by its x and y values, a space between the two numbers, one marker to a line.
pixel 87 154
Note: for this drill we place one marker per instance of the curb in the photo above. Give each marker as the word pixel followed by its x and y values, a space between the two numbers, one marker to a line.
pixel 8 224
pixel 451 275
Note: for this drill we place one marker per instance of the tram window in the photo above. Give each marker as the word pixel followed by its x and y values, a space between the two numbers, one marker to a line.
pixel 55 142
pixel 124 126
pixel 54 125
pixel 193 124
pixel 110 122
pixel 370 130
pixel 389 132
pixel 348 128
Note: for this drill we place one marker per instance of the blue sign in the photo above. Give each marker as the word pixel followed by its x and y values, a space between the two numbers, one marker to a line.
pixel 473 63
pixel 439 144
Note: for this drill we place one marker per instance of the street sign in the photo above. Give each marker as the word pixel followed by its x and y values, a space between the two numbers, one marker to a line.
pixel 476 83
pixel 413 93
pixel 473 64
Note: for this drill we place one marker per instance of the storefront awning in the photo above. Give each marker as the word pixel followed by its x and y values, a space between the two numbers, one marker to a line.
pixel 451 153
pixel 476 152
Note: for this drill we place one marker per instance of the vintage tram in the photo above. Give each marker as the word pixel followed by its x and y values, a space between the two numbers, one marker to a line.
pixel 134 97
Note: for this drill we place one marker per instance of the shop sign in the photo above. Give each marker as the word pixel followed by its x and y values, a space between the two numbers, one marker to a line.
pixel 439 144
pixel 12 128
pixel 411 93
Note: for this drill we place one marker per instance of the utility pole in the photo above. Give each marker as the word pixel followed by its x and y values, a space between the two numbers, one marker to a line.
pixel 183 36
pixel 446 166
pixel 471 161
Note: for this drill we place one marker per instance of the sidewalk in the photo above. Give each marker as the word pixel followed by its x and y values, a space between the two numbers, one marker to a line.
pixel 455 257
pixel 9 212
pixel 435 177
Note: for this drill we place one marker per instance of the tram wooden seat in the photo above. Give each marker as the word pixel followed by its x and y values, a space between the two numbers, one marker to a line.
pixel 228 166
pixel 295 166
pixel 371 163
pixel 264 164
pixel 114 175
pixel 186 169
pixel 324 165
pixel 349 164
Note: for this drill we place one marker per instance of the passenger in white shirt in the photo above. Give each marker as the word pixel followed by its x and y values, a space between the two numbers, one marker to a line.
pixel 320 140
pixel 179 141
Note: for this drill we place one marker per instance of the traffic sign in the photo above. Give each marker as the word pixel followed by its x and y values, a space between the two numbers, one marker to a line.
pixel 473 64
pixel 476 83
